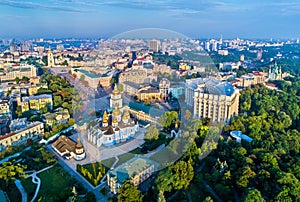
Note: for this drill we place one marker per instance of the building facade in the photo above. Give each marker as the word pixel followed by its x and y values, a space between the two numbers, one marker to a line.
pixel 115 127
pixel 20 135
pixel 212 99
pixel 136 170
pixel 59 116
pixel 17 71
pixel 68 148
pixel 135 76
pixel 35 102
pixel 164 88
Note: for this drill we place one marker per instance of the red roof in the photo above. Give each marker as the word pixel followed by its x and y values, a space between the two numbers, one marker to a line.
pixel 271 85
pixel 7 135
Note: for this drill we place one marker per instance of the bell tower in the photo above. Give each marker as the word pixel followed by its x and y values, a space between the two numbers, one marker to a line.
pixel 116 99
pixel 50 59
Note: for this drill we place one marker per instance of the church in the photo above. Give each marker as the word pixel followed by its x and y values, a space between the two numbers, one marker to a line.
pixel 114 127
pixel 275 73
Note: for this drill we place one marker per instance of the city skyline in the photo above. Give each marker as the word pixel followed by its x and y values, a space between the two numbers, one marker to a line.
pixel 195 19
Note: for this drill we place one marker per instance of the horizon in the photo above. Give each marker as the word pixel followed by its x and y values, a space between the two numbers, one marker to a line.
pixel 105 19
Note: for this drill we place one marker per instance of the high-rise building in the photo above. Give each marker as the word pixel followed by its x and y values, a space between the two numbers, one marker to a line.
pixel 153 45
pixel 215 46
pixel 259 54
pixel 207 46
pixel 212 99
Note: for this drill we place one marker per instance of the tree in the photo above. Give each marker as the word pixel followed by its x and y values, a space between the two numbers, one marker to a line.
pixel 57 101
pixel 90 197
pixel 71 122
pixel 245 176
pixel 164 180
pixel 187 115
pixel 24 78
pixel 17 80
pixel 152 133
pixel 82 77
pixel 9 172
pixel 253 195
pixel 129 193
pixel 112 81
pixel 120 87
pixel 183 173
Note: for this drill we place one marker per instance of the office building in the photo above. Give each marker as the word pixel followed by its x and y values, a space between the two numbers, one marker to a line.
pixel 153 45
pixel 212 99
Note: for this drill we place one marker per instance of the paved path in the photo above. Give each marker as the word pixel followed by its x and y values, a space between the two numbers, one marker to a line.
pixel 22 190
pixel 13 155
pixel 37 180
pixel 211 191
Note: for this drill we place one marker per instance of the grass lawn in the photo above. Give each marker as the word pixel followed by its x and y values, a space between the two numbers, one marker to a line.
pixel 108 162
pixel 123 158
pixel 29 186
pixel 56 185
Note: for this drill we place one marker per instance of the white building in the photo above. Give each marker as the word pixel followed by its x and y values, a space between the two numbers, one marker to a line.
pixel 68 148
pixel 115 127
pixel 212 99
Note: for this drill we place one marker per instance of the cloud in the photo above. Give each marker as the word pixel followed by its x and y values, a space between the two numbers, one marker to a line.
pixel 31 5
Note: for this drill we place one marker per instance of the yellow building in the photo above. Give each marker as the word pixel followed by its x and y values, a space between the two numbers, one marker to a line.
pixel 36 102
pixel 149 93
pixel 59 116
pixel 184 67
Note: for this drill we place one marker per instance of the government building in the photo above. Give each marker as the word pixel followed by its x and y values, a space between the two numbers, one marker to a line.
pixel 213 99
pixel 115 127
pixel 10 73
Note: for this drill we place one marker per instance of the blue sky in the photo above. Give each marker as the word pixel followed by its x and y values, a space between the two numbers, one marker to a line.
pixel 194 18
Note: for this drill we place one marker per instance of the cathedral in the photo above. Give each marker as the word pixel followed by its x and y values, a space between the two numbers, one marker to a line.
pixel 114 127
pixel 275 73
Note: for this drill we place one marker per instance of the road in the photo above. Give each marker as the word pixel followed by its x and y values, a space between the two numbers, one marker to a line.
pixel 79 178
pixel 95 154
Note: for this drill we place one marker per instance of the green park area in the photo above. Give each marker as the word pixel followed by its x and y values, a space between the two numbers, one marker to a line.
pixel 56 185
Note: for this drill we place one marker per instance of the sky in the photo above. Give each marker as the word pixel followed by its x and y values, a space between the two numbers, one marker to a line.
pixel 193 18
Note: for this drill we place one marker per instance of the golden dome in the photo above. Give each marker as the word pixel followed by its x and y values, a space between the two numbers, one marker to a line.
pixel 78 145
pixel 126 115
pixel 116 91
pixel 115 120
pixel 105 116
pixel 104 121
pixel 116 112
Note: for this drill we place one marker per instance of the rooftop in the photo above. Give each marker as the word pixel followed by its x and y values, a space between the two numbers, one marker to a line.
pixel 131 168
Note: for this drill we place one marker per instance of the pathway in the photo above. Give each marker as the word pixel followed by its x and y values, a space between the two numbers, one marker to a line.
pixel 22 190
pixel 211 191
pixel 14 155
pixel 37 180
